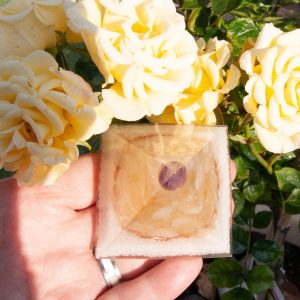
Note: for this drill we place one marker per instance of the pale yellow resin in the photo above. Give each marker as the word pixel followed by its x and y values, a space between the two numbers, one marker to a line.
pixel 149 210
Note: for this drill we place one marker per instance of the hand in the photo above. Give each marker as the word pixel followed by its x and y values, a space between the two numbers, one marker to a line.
pixel 46 245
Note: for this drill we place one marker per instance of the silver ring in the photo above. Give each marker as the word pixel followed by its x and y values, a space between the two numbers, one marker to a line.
pixel 110 271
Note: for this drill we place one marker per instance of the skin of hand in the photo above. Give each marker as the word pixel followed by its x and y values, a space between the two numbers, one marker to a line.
pixel 46 241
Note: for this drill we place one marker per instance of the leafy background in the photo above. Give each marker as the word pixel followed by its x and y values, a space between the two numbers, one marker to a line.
pixel 262 177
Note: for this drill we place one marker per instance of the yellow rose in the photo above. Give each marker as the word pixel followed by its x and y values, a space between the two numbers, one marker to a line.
pixel 26 25
pixel 273 88
pixel 44 113
pixel 142 49
pixel 196 104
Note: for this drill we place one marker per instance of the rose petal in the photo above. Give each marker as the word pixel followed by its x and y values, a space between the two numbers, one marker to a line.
pixel 276 141
pixel 267 36
pixel 247 61
pixel 211 100
pixel 232 79
pixel 291 38
pixel 279 87
pixel 267 60
pixel 211 69
pixel 283 58
pixel 259 91
pixel 261 116
pixel 275 121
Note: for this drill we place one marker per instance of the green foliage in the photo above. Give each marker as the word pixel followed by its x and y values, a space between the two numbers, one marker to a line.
pixel 239 201
pixel 244 217
pixel 225 273
pixel 75 57
pixel 283 160
pixel 256 10
pixel 198 20
pixel 253 191
pixel 190 4
pixel 260 278
pixel 239 30
pixel 5 174
pixel 92 145
pixel 221 7
pixel 262 177
pixel 88 70
pixel 240 239
pixel 288 179
pixel 241 168
pixel 249 159
pixel 292 205
pixel 237 294
pixel 265 251
pixel 262 219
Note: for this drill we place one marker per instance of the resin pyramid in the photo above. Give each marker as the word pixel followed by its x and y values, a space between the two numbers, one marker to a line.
pixel 164 191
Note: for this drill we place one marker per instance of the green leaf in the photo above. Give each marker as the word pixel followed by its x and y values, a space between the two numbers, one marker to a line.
pixel 239 201
pixel 75 57
pixel 262 219
pixel 221 7
pixel 284 158
pixel 292 205
pixel 254 9
pixel 288 156
pixel 70 58
pixel 288 179
pixel 240 240
pixel 266 251
pixel 248 158
pixel 225 273
pixel 237 294
pixel 241 169
pixel 241 29
pixel 5 174
pixel 239 220
pixel 86 68
pixel 198 19
pixel 260 279
pixel 252 192
pixel 259 148
pixel 238 138
pixel 244 215
pixel 191 4
pixel 94 144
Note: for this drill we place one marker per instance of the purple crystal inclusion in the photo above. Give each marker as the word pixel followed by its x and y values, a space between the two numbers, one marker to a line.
pixel 172 176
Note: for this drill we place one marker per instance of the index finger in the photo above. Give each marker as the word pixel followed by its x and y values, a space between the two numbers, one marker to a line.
pixel 76 189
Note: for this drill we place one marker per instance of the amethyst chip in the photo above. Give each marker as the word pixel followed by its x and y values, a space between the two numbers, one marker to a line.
pixel 172 176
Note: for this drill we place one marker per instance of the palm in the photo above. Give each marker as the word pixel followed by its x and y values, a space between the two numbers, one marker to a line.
pixel 46 246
